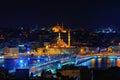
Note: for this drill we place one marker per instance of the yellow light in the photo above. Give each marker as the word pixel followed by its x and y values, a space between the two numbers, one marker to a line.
pixel 109 49
pixel 46 47
pixel 64 31
pixel 56 28
pixel 118 63
pixel 82 51
pixel 93 63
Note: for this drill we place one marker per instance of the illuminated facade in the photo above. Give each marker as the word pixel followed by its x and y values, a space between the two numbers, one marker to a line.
pixel 107 30
pixel 11 51
pixel 59 43
pixel 55 51
pixel 59 28
pixel 83 50
pixel 57 46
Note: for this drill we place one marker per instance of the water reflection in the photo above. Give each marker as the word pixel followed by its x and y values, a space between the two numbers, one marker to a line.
pixel 108 63
pixel 13 63
pixel 102 62
pixel 99 62
pixel 92 63
pixel 118 62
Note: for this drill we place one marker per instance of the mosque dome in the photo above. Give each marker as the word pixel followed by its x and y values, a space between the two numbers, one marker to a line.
pixel 56 28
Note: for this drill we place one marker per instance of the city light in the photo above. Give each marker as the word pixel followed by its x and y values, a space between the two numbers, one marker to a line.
pixel 21 61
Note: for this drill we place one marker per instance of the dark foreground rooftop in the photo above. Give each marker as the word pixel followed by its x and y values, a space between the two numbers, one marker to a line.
pixel 72 73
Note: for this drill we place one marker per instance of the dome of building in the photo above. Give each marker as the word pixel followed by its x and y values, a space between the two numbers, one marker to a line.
pixel 56 28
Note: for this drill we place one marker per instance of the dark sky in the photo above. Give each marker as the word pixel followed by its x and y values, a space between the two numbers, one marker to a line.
pixel 82 13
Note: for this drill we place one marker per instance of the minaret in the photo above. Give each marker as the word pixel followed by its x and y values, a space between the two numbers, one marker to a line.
pixel 62 25
pixel 68 37
pixel 59 36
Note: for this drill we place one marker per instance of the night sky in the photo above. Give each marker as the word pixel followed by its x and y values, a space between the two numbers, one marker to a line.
pixel 83 13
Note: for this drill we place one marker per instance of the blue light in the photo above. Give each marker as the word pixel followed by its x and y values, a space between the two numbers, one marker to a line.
pixel 107 32
pixel 28 58
pixel 59 66
pixel 38 60
pixel 21 61
pixel 25 64
pixel 110 30
pixel 76 78
pixel 118 57
pixel 111 57
pixel 3 65
pixel 21 45
pixel 28 49
pixel 103 31
pixel 94 56
pixel 114 31
pixel 38 56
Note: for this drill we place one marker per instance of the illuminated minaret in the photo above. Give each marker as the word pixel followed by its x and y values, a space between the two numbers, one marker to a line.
pixel 68 37
pixel 59 36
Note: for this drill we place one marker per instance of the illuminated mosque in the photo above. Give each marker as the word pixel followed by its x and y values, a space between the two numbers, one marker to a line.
pixel 58 46
pixel 59 43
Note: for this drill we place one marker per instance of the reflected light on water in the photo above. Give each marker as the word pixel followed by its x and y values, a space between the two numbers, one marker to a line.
pixel 1 60
pixel 99 62
pixel 38 60
pixel 3 65
pixel 99 59
pixel 118 63
pixel 113 62
pixel 108 63
pixel 93 63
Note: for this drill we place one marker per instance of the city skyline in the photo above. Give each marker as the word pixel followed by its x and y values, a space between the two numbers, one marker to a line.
pixel 47 13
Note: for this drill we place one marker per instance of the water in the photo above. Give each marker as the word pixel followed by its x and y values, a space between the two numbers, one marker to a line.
pixel 34 64
pixel 24 62
pixel 102 62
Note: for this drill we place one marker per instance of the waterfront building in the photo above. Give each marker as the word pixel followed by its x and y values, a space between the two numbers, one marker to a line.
pixel 11 51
